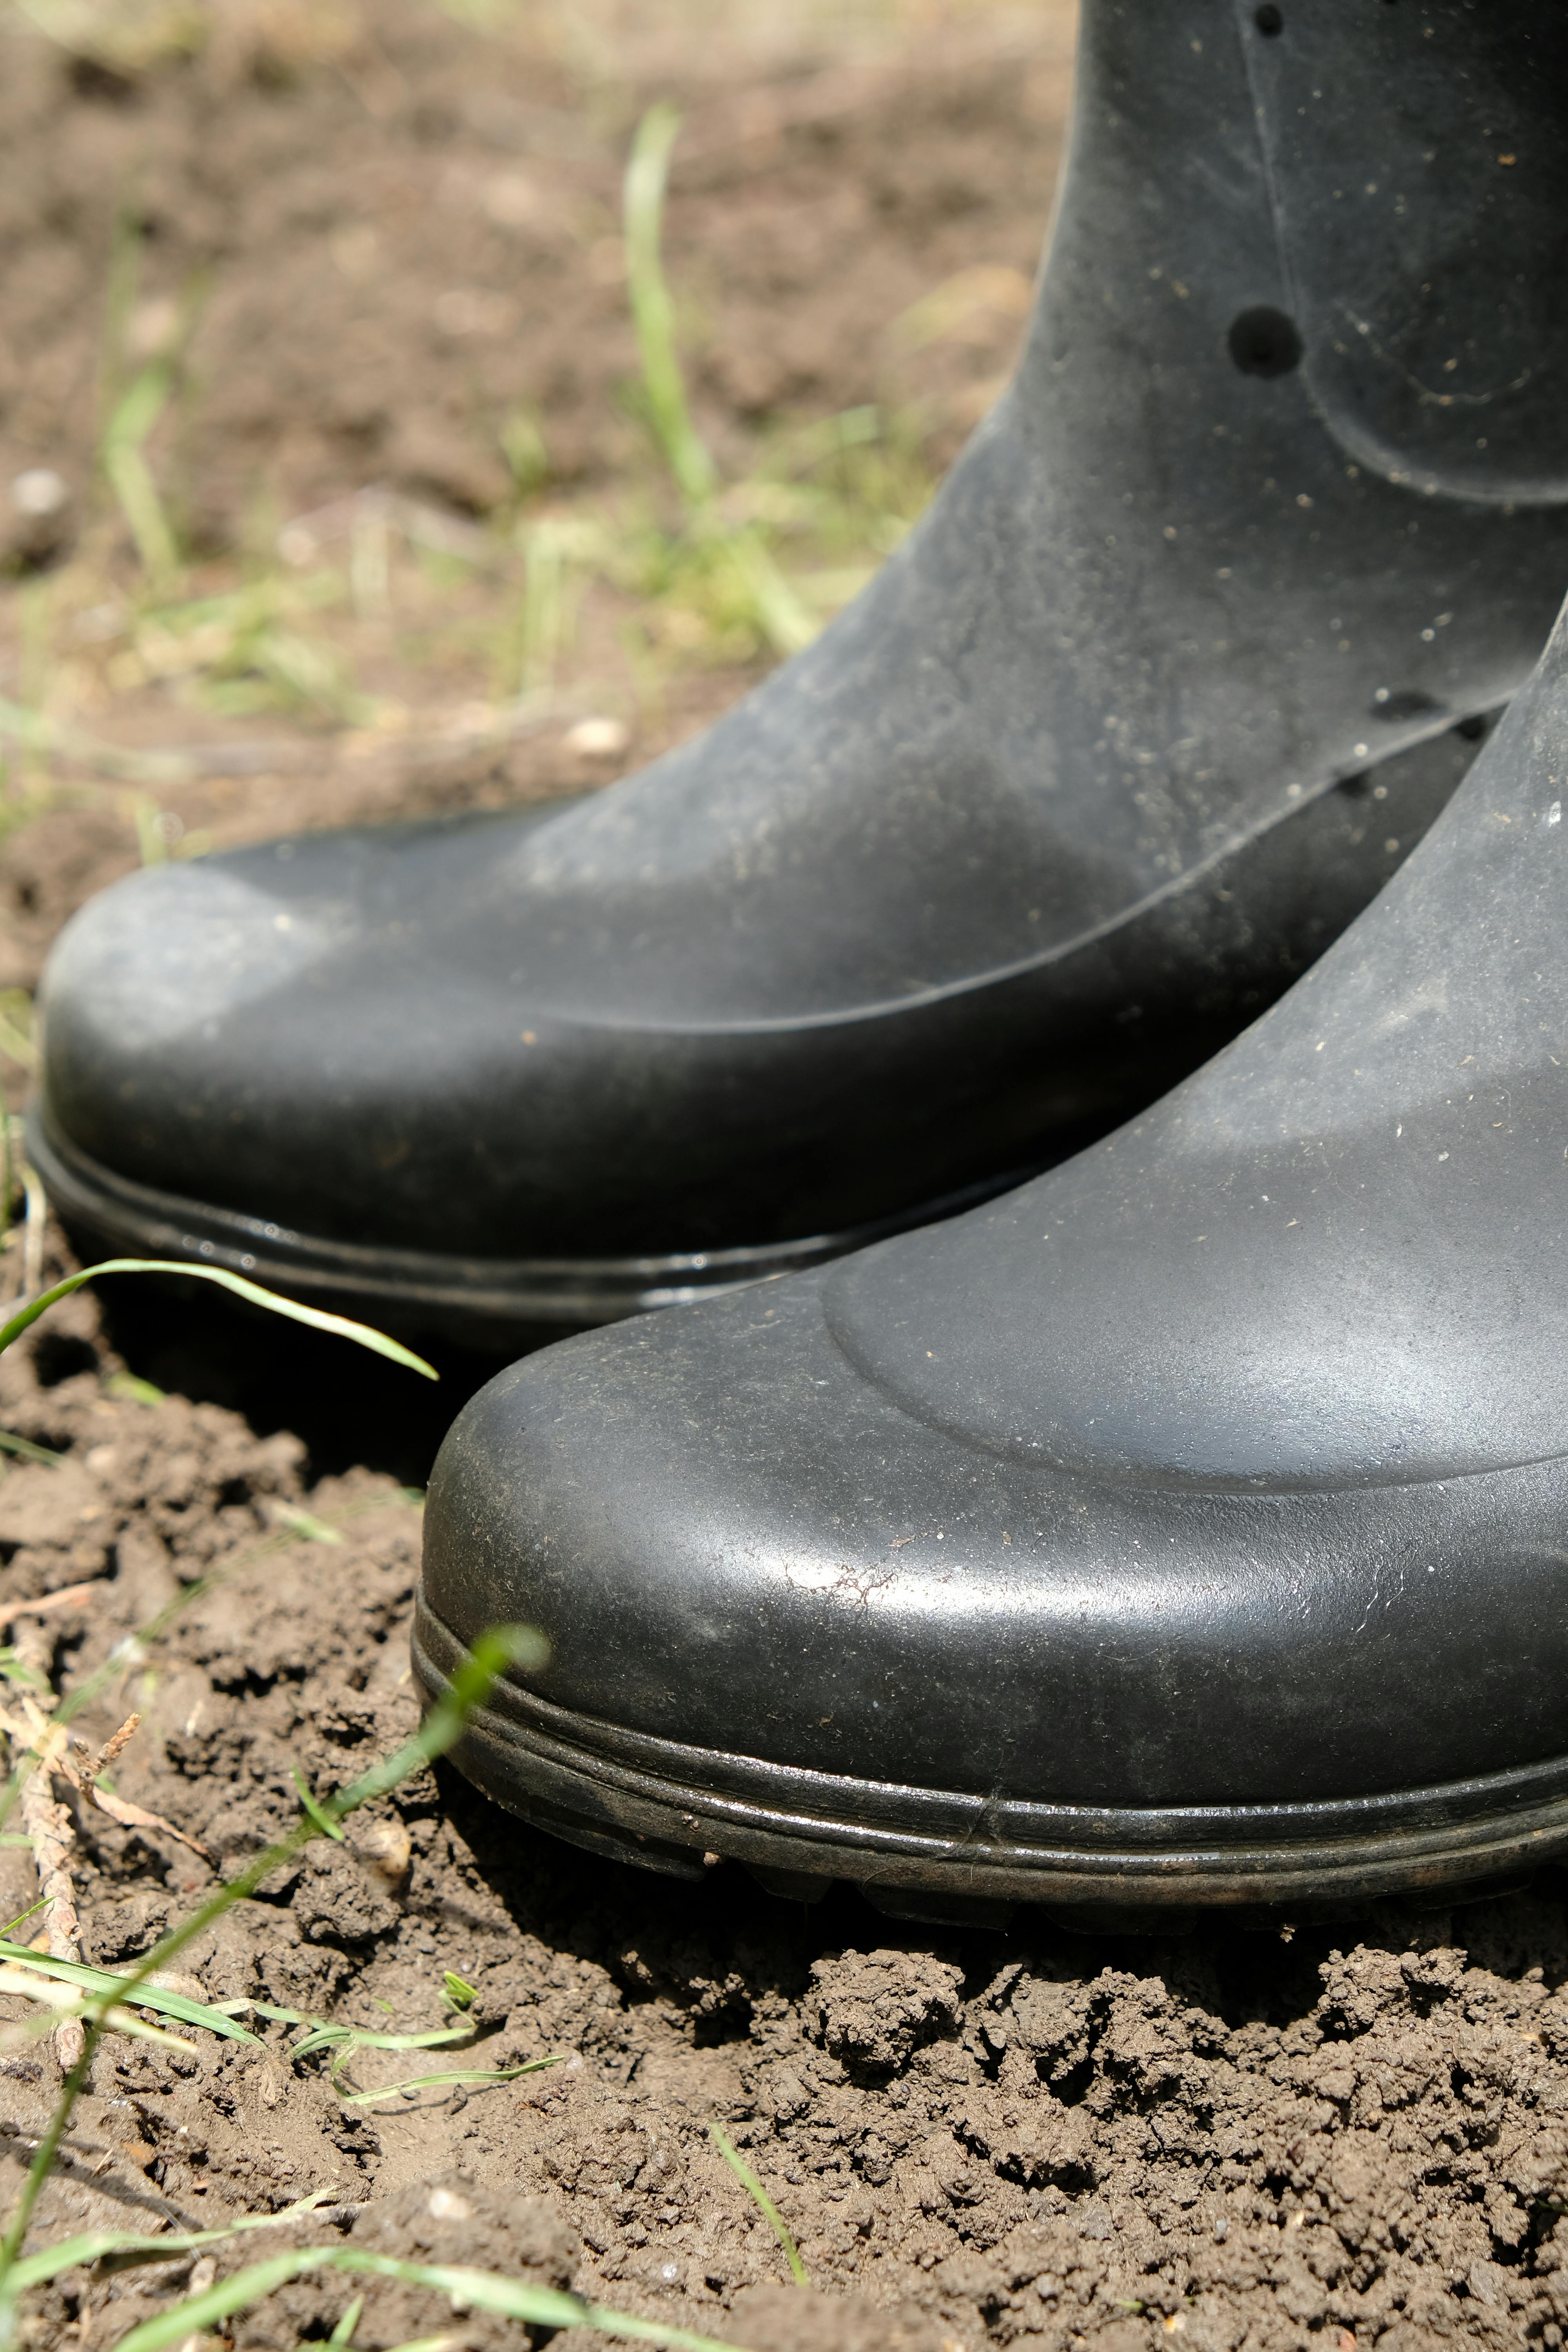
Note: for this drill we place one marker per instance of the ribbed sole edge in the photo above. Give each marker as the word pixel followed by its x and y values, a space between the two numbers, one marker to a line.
pixel 676 1810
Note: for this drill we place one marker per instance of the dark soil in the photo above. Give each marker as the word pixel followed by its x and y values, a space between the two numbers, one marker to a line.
pixel 1327 2137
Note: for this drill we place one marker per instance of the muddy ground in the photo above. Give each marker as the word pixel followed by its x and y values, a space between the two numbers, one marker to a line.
pixel 1320 2135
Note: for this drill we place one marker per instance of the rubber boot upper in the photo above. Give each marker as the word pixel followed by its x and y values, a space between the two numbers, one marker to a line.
pixel 1069 794
pixel 1225 1465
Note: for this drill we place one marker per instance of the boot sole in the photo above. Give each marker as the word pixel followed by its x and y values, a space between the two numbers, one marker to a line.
pixel 491 1303
pixel 925 1853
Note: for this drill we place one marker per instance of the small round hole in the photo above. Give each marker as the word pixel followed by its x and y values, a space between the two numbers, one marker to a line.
pixel 1263 341
pixel 1268 20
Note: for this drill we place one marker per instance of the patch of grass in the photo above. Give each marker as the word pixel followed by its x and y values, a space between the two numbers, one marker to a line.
pixel 684 567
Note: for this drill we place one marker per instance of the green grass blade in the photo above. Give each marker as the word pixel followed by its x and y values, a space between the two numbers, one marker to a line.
pixel 439 2038
pixel 99 1982
pixel 55 2003
pixel 480 2290
pixel 323 2033
pixel 317 1811
pixel 653 315
pixel 787 624
pixel 316 1317
pixel 493 1652
pixel 343 2333
pixel 138 409
pixel 266 2009
pixel 37 2270
pixel 541 2306
pixel 306 1524
pixel 760 2198
pixel 199 2312
pixel 15 1669
pixel 474 2074
pixel 25 1451
pixel 130 476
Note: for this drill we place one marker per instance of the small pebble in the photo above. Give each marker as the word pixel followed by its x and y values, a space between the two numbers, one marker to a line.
pixel 40 492
pixel 598 738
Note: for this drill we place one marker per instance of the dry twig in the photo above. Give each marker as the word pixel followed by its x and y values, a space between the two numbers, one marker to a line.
pixel 49 1604
pixel 48 1825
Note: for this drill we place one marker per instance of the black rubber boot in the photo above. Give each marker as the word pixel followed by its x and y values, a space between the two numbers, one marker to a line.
pixel 1186 1527
pixel 1035 826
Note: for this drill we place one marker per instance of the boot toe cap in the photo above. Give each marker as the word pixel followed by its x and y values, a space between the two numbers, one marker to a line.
pixel 734 1540
pixel 146 989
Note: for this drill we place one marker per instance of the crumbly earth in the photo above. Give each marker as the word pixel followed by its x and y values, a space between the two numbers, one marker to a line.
pixel 1334 2135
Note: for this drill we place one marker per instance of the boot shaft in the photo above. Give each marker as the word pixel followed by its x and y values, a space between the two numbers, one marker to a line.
pixel 1363 201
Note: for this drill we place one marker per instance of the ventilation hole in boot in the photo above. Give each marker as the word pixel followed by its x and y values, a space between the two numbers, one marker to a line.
pixel 1264 342
pixel 1268 20
pixel 1409 703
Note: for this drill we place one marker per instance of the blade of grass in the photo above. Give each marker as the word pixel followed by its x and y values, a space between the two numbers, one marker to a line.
pixel 343 2333
pixel 122 455
pixel 16 1042
pixel 323 2034
pixel 306 1524
pixel 316 1317
pixel 760 2198
pixel 323 1819
pixel 25 1451
pixel 99 1981
pixel 198 2312
pixel 59 2003
pixel 96 2245
pixel 430 2081
pixel 784 621
pixel 653 315
pixel 478 2290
